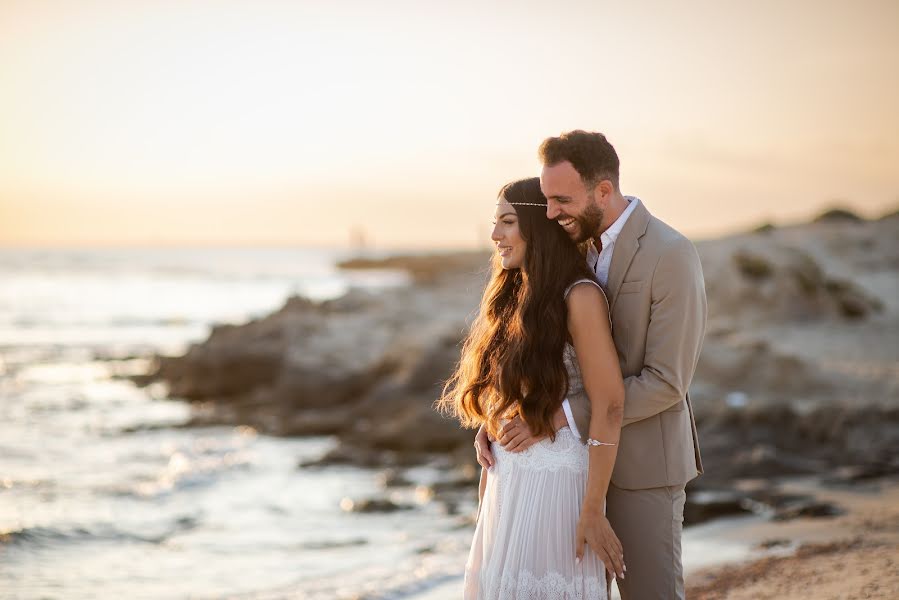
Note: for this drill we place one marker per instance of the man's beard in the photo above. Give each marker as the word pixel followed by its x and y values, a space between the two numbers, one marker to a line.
pixel 589 223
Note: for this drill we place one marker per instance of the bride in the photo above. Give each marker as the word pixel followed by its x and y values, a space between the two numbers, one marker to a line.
pixel 543 333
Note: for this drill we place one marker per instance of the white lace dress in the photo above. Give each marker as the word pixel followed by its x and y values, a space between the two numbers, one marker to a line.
pixel 524 540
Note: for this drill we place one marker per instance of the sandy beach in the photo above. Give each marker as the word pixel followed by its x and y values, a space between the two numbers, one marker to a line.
pixel 853 556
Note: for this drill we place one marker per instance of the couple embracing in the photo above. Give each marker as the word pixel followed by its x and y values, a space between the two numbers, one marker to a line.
pixel 576 372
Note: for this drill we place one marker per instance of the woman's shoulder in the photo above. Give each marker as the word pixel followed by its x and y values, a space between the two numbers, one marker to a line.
pixel 585 286
pixel 586 295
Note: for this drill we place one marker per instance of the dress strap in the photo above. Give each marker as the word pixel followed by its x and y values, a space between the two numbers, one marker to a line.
pixel 585 280
pixel 602 291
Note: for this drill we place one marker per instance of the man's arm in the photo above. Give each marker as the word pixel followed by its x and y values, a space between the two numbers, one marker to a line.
pixel 677 321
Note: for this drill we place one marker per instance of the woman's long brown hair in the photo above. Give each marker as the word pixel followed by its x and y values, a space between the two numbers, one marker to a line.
pixel 512 358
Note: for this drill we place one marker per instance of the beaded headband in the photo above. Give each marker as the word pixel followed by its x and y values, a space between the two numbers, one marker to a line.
pixel 523 195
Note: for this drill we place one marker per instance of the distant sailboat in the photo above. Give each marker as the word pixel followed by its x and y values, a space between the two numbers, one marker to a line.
pixel 358 242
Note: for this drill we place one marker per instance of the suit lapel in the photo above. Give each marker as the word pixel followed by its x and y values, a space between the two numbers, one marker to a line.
pixel 625 248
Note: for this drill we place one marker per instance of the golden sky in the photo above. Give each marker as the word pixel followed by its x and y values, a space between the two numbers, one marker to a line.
pixel 296 122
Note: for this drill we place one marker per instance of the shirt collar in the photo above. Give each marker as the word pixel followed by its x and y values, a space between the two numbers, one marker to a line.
pixel 609 236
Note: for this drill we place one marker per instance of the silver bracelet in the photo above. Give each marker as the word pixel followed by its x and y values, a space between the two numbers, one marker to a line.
pixel 592 442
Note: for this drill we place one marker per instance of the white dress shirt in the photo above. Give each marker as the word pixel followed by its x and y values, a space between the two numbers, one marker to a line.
pixel 600 262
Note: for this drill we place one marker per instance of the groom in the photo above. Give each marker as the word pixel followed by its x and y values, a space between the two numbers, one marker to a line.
pixel 656 292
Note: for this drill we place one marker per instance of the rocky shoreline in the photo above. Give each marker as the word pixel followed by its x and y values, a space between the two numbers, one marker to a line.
pixel 798 374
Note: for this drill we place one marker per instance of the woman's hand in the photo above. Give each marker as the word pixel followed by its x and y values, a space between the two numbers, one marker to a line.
pixel 595 531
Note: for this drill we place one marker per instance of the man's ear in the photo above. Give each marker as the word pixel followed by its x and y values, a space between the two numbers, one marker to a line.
pixel 605 188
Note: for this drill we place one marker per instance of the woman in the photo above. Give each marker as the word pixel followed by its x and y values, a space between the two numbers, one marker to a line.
pixel 543 332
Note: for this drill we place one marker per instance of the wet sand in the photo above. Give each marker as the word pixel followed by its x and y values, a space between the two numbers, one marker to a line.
pixel 852 556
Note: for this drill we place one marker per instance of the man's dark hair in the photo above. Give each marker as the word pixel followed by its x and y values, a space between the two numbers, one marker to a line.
pixel 590 153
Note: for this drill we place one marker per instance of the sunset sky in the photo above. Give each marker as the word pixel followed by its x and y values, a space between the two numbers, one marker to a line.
pixel 257 122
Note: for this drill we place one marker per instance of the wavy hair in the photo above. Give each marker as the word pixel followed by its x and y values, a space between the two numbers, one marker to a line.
pixel 511 360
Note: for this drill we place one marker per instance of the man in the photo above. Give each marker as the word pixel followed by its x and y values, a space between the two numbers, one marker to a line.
pixel 656 293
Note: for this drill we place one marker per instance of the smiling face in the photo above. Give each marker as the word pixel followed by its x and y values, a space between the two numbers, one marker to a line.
pixel 569 202
pixel 507 236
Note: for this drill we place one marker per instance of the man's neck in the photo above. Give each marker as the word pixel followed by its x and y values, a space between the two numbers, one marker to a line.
pixel 617 206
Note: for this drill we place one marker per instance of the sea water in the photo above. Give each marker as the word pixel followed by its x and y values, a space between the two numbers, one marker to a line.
pixel 104 493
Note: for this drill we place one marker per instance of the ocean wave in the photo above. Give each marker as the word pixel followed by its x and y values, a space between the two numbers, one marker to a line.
pixel 332 544
pixel 188 469
pixel 44 536
pixel 64 320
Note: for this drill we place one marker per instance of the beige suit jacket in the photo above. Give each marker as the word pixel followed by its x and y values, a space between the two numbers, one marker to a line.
pixel 657 301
